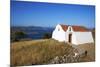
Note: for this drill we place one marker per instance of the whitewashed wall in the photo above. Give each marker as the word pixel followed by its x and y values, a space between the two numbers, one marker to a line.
pixel 66 37
pixel 77 37
pixel 82 37
pixel 68 32
pixel 74 41
pixel 58 35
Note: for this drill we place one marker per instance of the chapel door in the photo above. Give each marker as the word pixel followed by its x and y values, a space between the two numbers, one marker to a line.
pixel 70 38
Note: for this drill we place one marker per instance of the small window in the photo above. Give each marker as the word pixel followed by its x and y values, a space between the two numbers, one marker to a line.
pixel 69 28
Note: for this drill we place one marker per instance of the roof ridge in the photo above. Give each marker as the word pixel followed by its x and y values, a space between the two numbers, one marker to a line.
pixel 74 27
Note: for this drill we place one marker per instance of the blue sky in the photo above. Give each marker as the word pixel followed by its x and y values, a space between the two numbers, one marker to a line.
pixel 50 14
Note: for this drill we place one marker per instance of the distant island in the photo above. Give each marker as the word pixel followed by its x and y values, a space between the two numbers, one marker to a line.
pixel 31 32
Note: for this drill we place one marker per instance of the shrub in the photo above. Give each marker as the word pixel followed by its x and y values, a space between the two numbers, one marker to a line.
pixel 47 35
pixel 16 36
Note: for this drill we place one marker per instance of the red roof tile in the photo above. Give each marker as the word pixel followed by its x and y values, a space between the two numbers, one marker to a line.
pixel 64 27
pixel 75 28
pixel 79 28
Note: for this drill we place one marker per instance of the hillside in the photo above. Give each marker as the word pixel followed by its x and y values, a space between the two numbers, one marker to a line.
pixel 31 32
pixel 44 51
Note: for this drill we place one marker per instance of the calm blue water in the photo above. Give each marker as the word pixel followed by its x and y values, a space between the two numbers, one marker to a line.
pixel 34 32
pixel 38 34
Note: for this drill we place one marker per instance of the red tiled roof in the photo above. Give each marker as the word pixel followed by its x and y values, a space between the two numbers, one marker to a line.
pixel 64 27
pixel 75 28
pixel 79 28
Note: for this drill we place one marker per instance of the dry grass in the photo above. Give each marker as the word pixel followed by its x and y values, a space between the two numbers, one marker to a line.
pixel 90 48
pixel 37 51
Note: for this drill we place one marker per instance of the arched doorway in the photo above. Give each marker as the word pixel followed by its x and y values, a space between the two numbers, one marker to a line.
pixel 70 38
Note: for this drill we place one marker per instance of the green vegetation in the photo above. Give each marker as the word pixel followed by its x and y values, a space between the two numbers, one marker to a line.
pixel 16 36
pixel 93 33
pixel 47 35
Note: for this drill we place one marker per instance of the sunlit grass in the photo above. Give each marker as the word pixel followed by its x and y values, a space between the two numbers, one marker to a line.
pixel 37 51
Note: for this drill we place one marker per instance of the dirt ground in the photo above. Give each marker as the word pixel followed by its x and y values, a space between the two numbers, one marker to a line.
pixel 90 48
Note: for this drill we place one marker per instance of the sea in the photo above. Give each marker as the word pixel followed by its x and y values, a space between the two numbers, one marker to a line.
pixel 33 32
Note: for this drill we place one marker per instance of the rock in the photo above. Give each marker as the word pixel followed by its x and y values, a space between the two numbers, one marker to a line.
pixel 70 58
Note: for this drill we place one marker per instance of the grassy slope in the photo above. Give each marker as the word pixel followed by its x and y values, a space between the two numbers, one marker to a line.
pixel 90 48
pixel 44 50
pixel 37 51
